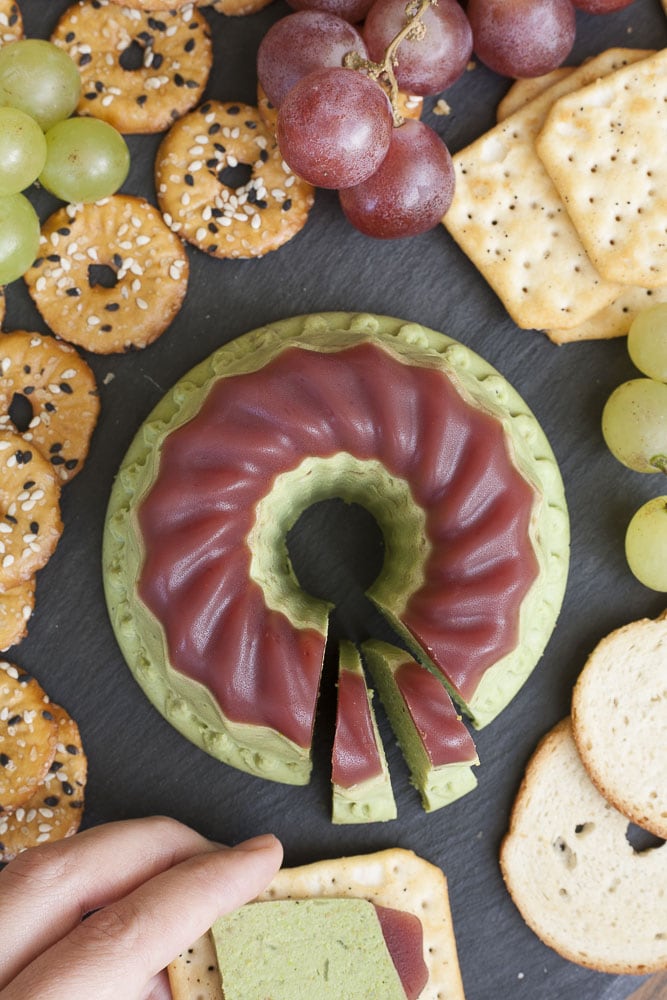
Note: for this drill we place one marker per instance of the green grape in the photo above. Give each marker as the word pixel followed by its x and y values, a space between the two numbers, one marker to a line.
pixel 634 425
pixel 647 341
pixel 86 159
pixel 23 150
pixel 19 236
pixel 39 78
pixel 646 544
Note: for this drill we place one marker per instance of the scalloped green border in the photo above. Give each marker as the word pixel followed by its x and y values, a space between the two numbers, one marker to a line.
pixel 187 705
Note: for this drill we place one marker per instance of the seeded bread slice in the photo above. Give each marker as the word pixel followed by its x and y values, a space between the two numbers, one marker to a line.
pixel 619 721
pixel 572 872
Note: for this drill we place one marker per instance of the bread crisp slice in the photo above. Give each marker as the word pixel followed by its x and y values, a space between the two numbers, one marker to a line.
pixel 395 878
pixel 572 872
pixel 619 721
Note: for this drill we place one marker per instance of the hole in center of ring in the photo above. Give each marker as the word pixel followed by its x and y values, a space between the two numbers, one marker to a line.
pixel 20 412
pixel 132 58
pixel 236 176
pixel 102 274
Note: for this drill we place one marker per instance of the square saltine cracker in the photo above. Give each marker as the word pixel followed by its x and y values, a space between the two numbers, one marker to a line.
pixel 508 217
pixel 605 148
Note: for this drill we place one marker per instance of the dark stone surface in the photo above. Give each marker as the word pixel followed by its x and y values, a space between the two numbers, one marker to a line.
pixel 138 764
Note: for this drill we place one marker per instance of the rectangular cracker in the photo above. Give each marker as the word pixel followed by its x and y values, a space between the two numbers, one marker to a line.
pixel 508 217
pixel 527 88
pixel 615 319
pixel 396 878
pixel 605 148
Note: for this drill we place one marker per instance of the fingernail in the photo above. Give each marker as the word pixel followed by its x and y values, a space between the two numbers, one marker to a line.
pixel 262 843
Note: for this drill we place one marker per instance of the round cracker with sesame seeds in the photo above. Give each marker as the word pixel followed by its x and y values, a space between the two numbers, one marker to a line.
pixel 30 523
pixel 11 22
pixel 16 608
pixel 55 808
pixel 28 736
pixel 228 219
pixel 176 60
pixel 126 237
pixel 60 390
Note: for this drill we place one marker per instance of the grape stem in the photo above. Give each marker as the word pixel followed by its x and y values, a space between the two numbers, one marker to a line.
pixel 383 72
pixel 660 462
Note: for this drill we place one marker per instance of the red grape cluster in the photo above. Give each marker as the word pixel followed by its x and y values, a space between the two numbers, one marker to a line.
pixel 334 69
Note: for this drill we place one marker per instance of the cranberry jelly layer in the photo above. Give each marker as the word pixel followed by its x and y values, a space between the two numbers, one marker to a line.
pixel 444 737
pixel 355 757
pixel 252 427
pixel 404 937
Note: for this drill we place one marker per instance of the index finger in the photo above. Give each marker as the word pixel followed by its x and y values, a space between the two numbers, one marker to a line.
pixel 118 949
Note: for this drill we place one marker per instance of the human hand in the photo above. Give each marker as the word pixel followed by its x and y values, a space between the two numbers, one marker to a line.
pixel 151 887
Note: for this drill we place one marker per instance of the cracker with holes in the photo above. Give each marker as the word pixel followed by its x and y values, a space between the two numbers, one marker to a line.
pixel 145 266
pixel 16 608
pixel 28 736
pixel 55 808
pixel 30 523
pixel 526 89
pixel 204 200
pixel 396 879
pixel 604 147
pixel 508 217
pixel 60 393
pixel 139 70
pixel 615 319
pixel 619 721
pixel 574 875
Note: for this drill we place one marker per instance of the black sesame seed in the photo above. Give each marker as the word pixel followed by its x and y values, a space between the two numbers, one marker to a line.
pixel 141 99
pixel 233 109
pixel 64 231
pixel 73 292
pixel 156 25
pixel 57 460
pixel 189 45
pixel 178 80
pixel 76 804
pixel 51 800
pixel 29 483
pixel 90 95
pixel 250 124
pixel 70 36
pixel 14 721
pixel 71 463
pixel 55 766
pixel 50 407
pixel 67 788
pixel 11 518
pixel 85 59
pixel 26 369
pixel 214 128
pixel 189 180
pixel 263 155
pixel 28 390
pixel 191 84
pixel 54 258
pixel 47 715
pixel 72 749
pixel 66 388
pixel 112 307
pixel 34 528
pixel 157 60
pixel 287 204
pixel 106 328
pixel 4 760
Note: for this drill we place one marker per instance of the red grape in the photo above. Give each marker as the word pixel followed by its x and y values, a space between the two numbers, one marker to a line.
pixel 409 192
pixel 425 65
pixel 601 6
pixel 300 43
pixel 522 37
pixel 350 10
pixel 334 127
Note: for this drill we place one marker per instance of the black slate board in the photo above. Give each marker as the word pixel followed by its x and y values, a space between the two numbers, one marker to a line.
pixel 138 764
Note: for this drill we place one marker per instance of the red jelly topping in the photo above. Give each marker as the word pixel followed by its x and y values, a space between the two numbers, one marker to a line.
pixel 404 937
pixel 213 471
pixel 445 738
pixel 355 754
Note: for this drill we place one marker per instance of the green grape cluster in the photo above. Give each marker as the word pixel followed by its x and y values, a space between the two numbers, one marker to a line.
pixel 634 426
pixel 76 159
